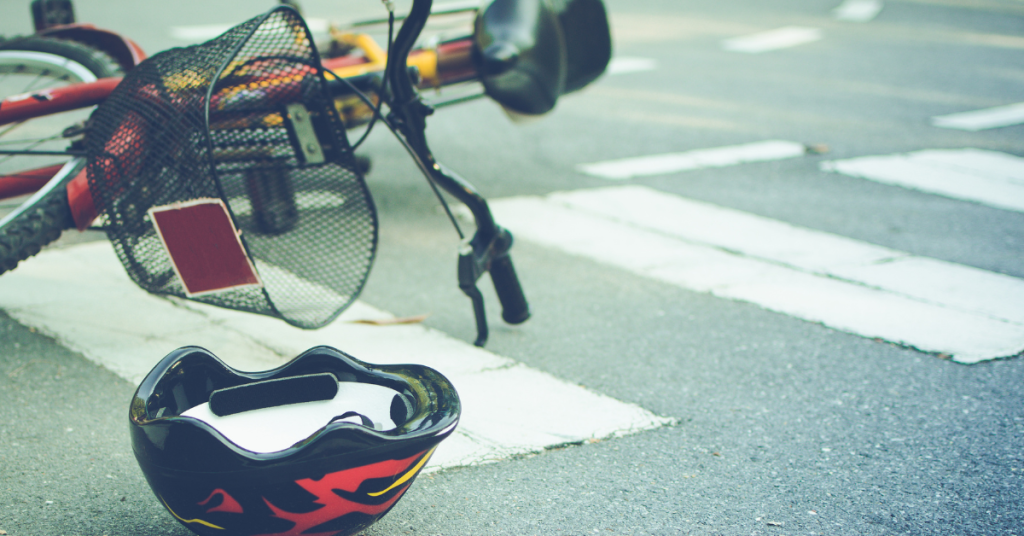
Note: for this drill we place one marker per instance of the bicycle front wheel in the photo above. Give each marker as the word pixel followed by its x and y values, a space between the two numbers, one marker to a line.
pixel 29 66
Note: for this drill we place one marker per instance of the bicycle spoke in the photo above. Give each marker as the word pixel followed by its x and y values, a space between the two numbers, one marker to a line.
pixel 41 76
pixel 24 78
pixel 29 140
pixel 7 145
pixel 32 144
pixel 11 127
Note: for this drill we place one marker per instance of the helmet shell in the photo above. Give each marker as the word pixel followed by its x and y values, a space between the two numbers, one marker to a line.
pixel 337 481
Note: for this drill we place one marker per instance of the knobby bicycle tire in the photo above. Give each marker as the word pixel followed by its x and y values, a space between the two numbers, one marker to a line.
pixel 34 227
pixel 42 219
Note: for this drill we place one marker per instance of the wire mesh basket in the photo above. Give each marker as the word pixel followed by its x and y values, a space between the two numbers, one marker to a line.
pixel 222 173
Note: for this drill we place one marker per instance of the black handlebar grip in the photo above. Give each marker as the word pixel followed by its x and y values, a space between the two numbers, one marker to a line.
pixel 514 308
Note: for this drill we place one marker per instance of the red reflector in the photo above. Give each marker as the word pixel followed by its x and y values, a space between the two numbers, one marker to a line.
pixel 204 246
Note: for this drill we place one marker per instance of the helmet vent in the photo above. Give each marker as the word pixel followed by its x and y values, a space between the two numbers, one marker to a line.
pixel 270 393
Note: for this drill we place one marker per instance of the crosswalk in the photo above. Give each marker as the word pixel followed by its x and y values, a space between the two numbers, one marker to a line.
pixel 955 311
pixel 952 310
pixel 82 297
pixel 928 304
pixel 935 306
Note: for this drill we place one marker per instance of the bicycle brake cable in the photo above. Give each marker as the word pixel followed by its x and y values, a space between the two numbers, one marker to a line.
pixel 384 85
pixel 377 115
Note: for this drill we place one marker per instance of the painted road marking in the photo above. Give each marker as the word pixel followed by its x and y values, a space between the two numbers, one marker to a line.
pixel 626 64
pixel 857 10
pixel 852 286
pixel 989 177
pixel 1000 116
pixel 662 164
pixel 198 33
pixel 82 297
pixel 790 36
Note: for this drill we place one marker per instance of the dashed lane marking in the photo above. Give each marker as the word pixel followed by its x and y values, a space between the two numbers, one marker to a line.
pixel 1000 116
pixel 988 177
pixel 857 10
pixel 627 168
pixel 82 297
pixel 787 37
pixel 875 292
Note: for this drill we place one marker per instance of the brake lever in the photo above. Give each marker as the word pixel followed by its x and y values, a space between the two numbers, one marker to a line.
pixel 477 257
pixel 488 250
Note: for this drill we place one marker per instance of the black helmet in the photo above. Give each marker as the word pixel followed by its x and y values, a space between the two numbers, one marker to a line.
pixel 325 444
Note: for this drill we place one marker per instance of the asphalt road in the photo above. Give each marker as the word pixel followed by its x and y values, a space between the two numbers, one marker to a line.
pixel 784 426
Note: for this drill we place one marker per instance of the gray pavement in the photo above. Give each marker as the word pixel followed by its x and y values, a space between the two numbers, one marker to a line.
pixel 784 426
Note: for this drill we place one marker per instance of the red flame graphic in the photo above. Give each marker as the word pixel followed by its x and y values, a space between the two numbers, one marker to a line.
pixel 335 506
pixel 229 504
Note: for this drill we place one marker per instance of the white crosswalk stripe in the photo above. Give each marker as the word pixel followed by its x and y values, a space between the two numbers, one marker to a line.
pixel 644 166
pixel 627 64
pixel 787 37
pixel 82 297
pixel 857 10
pixel 853 286
pixel 1000 116
pixel 198 33
pixel 989 177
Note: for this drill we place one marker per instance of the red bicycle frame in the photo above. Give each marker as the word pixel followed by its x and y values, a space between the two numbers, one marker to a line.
pixel 449 63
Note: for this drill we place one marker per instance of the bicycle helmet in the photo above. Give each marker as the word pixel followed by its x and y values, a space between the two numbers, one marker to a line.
pixel 325 444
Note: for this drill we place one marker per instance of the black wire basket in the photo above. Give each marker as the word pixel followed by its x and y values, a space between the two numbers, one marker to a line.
pixel 222 173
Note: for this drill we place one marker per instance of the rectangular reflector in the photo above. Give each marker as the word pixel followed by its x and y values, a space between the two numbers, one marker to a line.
pixel 204 246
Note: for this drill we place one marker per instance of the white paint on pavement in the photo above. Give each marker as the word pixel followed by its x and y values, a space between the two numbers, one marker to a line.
pixel 857 10
pixel 626 64
pixel 787 37
pixel 198 33
pixel 988 177
pixel 82 297
pixel 868 290
pixel 1000 116
pixel 662 164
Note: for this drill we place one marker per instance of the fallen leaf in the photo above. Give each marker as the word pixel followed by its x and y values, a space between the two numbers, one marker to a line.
pixel 392 321
pixel 715 454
